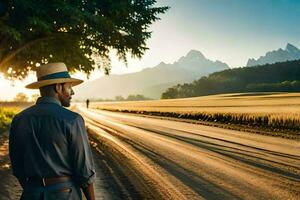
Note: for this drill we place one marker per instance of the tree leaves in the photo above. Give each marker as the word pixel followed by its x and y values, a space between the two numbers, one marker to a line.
pixel 78 32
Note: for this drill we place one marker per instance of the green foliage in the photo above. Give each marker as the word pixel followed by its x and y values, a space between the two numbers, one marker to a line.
pixel 278 77
pixel 6 115
pixel 79 33
pixel 285 86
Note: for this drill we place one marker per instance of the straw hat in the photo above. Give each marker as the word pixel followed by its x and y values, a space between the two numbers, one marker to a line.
pixel 52 73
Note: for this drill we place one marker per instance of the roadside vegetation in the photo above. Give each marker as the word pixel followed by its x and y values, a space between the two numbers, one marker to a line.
pixel 8 109
pixel 6 116
pixel 276 113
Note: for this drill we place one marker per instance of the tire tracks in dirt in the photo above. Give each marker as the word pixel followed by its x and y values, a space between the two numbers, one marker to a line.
pixel 199 167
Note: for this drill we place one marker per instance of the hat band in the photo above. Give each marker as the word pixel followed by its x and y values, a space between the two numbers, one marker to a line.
pixel 64 74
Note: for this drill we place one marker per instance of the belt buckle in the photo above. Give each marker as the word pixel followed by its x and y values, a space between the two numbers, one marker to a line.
pixel 43 180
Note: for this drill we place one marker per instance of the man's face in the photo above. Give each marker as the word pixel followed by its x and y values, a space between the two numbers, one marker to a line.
pixel 65 93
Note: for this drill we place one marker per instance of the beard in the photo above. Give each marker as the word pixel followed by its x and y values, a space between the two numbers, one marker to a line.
pixel 65 100
pixel 65 96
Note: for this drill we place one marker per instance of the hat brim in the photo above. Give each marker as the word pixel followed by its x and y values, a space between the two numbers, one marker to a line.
pixel 38 84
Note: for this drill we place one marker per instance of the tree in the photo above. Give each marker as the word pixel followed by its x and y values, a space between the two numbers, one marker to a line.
pixel 34 97
pixel 21 97
pixel 277 77
pixel 119 98
pixel 171 93
pixel 137 97
pixel 80 33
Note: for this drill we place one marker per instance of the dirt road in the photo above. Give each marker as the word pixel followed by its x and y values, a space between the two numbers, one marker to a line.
pixel 163 159
pixel 145 158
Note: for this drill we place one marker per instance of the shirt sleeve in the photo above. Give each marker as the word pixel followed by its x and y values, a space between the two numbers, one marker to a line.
pixel 16 150
pixel 81 155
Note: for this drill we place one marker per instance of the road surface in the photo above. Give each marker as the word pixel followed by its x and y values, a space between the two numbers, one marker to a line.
pixel 146 158
pixel 164 159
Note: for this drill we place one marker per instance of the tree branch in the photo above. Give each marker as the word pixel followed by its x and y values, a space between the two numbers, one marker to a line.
pixel 7 59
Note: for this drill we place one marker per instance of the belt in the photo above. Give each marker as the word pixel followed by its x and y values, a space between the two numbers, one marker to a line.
pixel 47 181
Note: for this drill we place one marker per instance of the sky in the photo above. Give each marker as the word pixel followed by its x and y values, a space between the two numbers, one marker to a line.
pixel 231 31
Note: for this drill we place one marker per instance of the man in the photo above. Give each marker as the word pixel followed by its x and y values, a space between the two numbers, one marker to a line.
pixel 48 144
pixel 87 103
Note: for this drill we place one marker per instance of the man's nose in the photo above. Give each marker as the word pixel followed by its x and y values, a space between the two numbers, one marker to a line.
pixel 72 91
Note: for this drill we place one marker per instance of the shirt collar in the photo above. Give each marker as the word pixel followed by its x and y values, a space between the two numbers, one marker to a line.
pixel 48 100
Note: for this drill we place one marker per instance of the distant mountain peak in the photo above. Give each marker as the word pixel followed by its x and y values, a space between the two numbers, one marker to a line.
pixel 291 48
pixel 194 54
pixel 151 82
pixel 162 63
pixel 194 60
pixel 289 53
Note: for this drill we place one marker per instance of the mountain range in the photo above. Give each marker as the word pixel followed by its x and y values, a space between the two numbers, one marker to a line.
pixel 150 82
pixel 289 53
pixel 276 77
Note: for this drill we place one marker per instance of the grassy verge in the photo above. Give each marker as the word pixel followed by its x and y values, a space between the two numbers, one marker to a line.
pixel 6 116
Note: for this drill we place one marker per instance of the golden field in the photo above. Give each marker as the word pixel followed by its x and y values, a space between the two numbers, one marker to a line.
pixel 278 111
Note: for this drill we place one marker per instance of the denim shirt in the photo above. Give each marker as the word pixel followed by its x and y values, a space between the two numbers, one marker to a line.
pixel 47 140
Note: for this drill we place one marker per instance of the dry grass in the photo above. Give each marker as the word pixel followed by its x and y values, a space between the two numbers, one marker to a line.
pixel 276 111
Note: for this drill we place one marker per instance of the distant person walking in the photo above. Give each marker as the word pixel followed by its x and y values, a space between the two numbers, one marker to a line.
pixel 48 144
pixel 87 103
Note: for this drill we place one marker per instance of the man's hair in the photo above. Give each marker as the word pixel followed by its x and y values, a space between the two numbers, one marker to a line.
pixel 48 90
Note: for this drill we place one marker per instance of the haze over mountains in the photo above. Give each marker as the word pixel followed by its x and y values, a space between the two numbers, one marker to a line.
pixel 289 53
pixel 150 82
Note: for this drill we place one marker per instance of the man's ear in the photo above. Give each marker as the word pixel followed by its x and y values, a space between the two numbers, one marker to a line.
pixel 58 88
